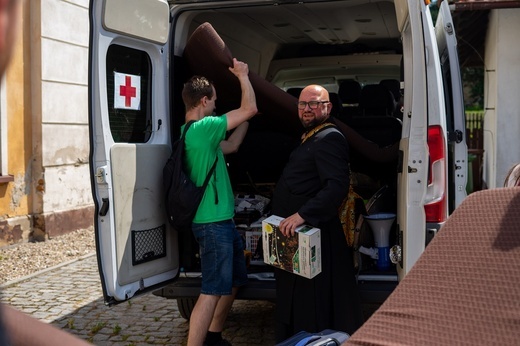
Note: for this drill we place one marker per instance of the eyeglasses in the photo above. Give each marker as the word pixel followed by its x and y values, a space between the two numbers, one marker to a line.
pixel 312 104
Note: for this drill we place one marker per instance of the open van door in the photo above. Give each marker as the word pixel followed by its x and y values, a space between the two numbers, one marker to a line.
pixel 453 96
pixel 433 177
pixel 130 143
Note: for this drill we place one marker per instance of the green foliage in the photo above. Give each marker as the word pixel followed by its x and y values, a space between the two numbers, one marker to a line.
pixel 97 328
pixel 434 11
pixel 116 330
pixel 473 82
pixel 70 323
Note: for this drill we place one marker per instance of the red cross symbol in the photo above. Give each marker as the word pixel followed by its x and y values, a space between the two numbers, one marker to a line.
pixel 127 91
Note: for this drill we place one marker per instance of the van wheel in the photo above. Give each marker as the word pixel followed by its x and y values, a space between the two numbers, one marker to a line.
pixel 185 306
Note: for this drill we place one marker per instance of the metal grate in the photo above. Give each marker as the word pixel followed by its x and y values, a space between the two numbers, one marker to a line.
pixel 148 245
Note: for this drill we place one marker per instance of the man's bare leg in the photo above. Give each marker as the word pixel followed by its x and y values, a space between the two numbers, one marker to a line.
pixel 201 318
pixel 221 311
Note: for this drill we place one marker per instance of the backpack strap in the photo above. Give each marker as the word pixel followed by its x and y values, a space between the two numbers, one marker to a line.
pixel 209 175
pixel 188 124
pixel 329 127
pixel 206 181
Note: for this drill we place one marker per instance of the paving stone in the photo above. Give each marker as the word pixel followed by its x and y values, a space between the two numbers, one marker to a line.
pixel 70 297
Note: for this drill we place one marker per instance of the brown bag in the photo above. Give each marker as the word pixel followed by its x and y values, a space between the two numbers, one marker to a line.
pixel 349 211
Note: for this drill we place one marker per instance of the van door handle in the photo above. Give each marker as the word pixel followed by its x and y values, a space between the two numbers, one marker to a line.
pixel 104 207
pixel 455 136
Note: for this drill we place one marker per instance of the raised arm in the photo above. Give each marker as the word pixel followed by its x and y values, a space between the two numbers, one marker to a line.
pixel 248 103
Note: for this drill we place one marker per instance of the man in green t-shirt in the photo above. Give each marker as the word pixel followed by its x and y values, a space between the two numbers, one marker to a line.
pixel 221 249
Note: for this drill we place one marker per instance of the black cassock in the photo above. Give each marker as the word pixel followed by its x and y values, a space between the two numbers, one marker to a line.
pixel 314 183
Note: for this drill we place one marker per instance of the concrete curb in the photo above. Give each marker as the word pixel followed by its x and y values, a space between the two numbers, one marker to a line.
pixel 30 276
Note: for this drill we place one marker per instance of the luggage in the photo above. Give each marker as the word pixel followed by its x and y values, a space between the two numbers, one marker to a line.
pixel 326 337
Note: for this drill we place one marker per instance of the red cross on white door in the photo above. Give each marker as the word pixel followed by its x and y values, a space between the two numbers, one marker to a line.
pixel 127 91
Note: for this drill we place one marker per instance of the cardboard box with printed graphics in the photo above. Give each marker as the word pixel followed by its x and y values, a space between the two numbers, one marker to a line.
pixel 300 254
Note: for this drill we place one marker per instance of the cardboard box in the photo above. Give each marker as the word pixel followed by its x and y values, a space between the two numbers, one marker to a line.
pixel 300 254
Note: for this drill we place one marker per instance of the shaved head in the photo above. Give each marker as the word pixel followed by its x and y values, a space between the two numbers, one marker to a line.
pixel 310 116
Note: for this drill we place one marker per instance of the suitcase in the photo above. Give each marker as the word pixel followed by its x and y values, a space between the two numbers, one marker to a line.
pixel 326 337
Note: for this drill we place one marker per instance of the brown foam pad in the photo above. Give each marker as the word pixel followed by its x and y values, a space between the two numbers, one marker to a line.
pixel 464 289
pixel 207 55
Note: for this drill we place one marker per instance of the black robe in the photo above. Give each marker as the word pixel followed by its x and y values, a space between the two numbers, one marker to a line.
pixel 314 183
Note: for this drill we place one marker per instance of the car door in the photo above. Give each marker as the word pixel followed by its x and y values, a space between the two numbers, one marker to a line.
pixel 432 181
pixel 130 143
pixel 455 116
pixel 413 171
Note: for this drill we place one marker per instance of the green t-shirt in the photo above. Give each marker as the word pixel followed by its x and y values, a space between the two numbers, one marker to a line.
pixel 202 144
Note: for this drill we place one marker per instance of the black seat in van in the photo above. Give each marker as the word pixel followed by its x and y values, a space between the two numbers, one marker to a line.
pixel 349 93
pixel 395 88
pixel 383 131
pixel 376 100
pixel 336 105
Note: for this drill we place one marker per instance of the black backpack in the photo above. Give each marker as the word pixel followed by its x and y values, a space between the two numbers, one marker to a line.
pixel 182 196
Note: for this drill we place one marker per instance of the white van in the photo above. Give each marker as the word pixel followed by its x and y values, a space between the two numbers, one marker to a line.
pixel 141 53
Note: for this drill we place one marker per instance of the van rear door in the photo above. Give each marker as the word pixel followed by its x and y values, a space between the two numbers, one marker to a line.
pixel 412 178
pixel 436 92
pixel 455 116
pixel 130 143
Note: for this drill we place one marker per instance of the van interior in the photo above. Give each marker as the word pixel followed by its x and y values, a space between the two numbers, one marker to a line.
pixel 352 48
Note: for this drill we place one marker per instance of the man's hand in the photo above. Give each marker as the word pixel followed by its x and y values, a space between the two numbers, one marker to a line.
pixel 239 68
pixel 247 102
pixel 288 225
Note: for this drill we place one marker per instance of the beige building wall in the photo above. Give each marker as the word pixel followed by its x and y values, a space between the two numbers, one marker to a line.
pixel 50 164
pixel 501 96
pixel 16 141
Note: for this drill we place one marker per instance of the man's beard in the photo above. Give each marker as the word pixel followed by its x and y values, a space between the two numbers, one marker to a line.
pixel 311 122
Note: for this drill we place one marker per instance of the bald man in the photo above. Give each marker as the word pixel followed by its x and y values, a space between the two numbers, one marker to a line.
pixel 312 186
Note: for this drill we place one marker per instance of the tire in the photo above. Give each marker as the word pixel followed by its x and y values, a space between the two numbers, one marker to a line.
pixel 185 306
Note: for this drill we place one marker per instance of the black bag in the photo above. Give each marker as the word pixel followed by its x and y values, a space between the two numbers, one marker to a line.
pixel 182 196
pixel 327 337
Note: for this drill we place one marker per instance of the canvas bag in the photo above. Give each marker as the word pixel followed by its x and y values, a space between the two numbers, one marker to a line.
pixel 182 196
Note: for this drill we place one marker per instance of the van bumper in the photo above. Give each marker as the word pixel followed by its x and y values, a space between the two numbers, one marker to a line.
pixel 371 291
pixel 186 287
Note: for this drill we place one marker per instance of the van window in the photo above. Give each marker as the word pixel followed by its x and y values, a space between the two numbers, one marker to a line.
pixel 129 125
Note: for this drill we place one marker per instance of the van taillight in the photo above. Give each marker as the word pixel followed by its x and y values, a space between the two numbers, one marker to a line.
pixel 435 206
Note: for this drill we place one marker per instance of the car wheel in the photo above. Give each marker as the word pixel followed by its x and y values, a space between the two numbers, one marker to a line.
pixel 185 306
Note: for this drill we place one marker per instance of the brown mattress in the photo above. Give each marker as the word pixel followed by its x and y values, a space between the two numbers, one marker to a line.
pixel 206 54
pixel 465 288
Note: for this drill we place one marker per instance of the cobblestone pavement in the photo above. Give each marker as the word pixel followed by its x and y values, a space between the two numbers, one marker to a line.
pixel 70 297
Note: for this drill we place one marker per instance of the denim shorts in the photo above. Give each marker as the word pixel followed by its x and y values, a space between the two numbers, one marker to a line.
pixel 222 257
